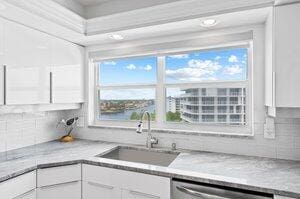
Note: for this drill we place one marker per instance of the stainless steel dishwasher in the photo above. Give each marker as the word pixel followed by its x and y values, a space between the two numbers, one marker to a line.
pixel 190 190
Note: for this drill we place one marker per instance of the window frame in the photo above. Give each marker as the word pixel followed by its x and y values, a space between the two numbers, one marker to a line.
pixel 161 85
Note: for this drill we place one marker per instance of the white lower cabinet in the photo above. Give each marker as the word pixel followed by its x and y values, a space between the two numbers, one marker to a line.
pixel 22 186
pixel 62 182
pixel 119 184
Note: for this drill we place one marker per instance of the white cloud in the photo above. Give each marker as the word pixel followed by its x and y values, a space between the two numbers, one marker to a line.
pixel 131 67
pixel 110 63
pixel 148 68
pixel 233 70
pixel 196 70
pixel 218 57
pixel 233 59
pixel 182 56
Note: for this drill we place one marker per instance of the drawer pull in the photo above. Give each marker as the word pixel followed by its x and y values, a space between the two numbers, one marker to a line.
pixel 24 194
pixel 100 185
pixel 59 184
pixel 143 194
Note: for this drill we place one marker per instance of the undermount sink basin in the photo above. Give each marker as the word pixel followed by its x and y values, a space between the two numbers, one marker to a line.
pixel 141 155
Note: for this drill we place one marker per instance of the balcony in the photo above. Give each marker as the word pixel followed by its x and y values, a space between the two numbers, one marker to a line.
pixel 222 111
pixel 208 102
pixel 208 111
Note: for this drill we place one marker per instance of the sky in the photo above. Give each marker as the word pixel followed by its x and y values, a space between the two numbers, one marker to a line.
pixel 215 65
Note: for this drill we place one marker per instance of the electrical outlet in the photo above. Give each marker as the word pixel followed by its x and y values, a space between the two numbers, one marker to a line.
pixel 269 128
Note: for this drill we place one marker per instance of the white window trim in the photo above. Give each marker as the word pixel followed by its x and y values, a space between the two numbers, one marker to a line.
pixel 160 125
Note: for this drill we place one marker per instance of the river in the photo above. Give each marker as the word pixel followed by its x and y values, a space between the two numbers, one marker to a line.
pixel 126 114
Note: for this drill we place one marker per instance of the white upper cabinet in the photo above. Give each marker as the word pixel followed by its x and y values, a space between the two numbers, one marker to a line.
pixel 282 57
pixel 286 56
pixel 39 68
pixel 1 62
pixel 67 72
pixel 27 56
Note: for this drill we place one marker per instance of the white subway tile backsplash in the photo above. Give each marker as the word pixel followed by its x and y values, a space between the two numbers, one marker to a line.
pixel 288 153
pixel 286 144
pixel 21 130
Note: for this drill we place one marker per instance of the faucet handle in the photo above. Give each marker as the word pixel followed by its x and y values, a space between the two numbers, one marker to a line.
pixel 140 127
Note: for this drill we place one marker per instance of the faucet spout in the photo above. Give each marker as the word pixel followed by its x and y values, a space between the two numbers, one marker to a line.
pixel 150 139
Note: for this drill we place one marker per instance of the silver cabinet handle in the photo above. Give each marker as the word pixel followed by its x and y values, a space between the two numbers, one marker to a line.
pixel 59 184
pixel 51 87
pixel 143 194
pixel 100 185
pixel 198 194
pixel 4 83
pixel 24 194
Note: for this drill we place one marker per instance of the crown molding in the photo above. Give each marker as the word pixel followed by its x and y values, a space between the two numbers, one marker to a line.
pixel 52 11
pixel 171 12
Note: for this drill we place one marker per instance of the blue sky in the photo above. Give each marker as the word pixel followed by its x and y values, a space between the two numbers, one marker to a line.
pixel 227 64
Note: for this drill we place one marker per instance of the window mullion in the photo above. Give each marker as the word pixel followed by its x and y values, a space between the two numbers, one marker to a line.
pixel 160 90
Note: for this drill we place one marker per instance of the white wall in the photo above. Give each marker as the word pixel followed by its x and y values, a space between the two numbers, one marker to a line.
pixel 24 129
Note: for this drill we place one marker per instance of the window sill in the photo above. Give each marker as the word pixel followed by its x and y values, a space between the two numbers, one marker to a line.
pixel 179 132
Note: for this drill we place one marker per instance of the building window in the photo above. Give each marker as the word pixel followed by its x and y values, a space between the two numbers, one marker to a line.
pixel 198 87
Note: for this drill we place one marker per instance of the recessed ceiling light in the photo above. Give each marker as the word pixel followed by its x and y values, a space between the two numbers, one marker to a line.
pixel 208 22
pixel 116 37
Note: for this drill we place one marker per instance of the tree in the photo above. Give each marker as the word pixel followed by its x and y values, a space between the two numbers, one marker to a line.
pixel 173 117
pixel 134 116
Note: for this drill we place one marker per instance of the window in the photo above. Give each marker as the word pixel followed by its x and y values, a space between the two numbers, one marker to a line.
pixel 125 88
pixel 191 88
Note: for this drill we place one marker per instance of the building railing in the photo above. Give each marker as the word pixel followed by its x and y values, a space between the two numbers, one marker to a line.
pixel 208 111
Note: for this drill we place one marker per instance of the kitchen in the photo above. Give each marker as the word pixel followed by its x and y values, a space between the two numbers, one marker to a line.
pixel 149 99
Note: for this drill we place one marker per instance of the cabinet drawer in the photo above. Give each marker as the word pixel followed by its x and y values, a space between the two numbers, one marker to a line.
pixel 151 185
pixel 28 195
pixel 69 190
pixel 18 186
pixel 58 175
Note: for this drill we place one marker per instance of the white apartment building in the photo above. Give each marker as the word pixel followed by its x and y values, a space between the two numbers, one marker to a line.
pixel 173 104
pixel 214 105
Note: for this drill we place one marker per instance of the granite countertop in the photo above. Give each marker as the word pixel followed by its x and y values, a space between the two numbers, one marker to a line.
pixel 280 177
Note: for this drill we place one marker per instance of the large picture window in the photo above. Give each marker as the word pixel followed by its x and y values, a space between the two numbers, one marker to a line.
pixel 208 87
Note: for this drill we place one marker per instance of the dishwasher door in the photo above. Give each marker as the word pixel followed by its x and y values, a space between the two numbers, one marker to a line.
pixel 187 190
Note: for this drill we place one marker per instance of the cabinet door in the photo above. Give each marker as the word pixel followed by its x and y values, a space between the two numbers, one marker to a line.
pixel 287 48
pixel 27 85
pixel 129 194
pixel 1 62
pixel 67 72
pixel 70 190
pixel 18 186
pixel 92 190
pixel 27 56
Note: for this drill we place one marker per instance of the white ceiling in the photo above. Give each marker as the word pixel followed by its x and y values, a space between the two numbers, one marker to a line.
pixel 90 2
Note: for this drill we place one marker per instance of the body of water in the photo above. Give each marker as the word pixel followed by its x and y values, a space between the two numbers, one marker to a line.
pixel 126 114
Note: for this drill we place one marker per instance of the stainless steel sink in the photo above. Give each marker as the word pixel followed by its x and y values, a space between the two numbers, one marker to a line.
pixel 141 155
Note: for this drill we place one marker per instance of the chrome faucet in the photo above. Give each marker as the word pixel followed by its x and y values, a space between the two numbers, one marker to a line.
pixel 150 140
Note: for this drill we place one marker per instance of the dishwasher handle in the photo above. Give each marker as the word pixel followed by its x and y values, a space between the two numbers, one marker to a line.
pixel 197 193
